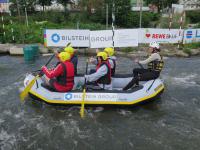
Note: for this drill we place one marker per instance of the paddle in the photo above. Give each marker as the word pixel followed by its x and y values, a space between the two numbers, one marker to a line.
pixel 84 93
pixel 24 93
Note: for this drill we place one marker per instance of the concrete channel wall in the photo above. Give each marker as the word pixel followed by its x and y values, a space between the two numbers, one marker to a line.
pixel 17 49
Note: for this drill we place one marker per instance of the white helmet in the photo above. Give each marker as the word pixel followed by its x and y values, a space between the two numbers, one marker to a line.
pixel 154 45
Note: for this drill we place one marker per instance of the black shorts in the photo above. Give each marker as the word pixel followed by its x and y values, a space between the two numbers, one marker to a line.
pixel 51 84
pixel 50 87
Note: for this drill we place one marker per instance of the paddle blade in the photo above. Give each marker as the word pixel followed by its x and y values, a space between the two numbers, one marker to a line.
pixel 24 93
pixel 83 104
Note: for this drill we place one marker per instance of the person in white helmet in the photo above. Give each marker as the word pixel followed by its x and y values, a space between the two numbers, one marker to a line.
pixel 155 65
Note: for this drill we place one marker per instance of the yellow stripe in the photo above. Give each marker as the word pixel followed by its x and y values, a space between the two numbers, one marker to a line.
pixel 98 102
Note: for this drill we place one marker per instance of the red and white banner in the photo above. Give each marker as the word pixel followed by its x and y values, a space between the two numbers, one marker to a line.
pixel 149 35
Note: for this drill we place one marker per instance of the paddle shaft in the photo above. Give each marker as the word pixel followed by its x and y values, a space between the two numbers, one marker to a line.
pixel 84 93
pixel 140 65
pixel 50 59
pixel 86 69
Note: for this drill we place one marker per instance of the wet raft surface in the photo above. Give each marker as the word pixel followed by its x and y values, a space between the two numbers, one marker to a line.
pixel 169 123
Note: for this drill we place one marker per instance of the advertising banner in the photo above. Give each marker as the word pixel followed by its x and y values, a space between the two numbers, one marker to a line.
pixel 60 38
pixel 191 36
pixel 149 35
pixel 126 38
pixel 122 38
pixel 101 39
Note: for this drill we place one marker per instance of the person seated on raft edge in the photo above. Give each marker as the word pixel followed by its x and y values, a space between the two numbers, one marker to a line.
pixel 155 65
pixel 101 78
pixel 74 58
pixel 112 59
pixel 61 78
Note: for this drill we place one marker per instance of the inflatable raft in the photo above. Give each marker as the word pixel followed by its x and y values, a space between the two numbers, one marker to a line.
pixel 145 91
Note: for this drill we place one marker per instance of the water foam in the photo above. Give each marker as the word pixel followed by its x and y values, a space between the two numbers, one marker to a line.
pixel 124 112
pixel 1 121
pixel 184 79
pixel 7 141
pixel 6 89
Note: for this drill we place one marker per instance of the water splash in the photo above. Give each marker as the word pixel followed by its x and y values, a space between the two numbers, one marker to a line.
pixel 185 79
pixel 124 112
pixel 7 141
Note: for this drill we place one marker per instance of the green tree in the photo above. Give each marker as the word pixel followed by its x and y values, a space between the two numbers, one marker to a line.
pixel 122 12
pixel 162 3
pixel 18 6
pixel 64 3
pixel 44 3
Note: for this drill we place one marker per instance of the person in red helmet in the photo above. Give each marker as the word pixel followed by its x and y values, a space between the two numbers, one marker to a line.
pixel 61 78
pixel 155 65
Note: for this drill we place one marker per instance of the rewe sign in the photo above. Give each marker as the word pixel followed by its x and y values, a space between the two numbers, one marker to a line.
pixel 160 35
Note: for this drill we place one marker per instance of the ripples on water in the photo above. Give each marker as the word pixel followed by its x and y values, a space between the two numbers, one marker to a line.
pixel 169 123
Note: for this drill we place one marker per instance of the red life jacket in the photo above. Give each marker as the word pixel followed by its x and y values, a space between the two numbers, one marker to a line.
pixel 65 81
pixel 106 79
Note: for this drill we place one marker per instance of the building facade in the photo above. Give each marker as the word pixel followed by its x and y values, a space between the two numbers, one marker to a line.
pixel 4 5
pixel 190 4
pixel 136 4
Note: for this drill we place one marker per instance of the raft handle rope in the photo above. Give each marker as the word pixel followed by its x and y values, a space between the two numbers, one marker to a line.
pixel 36 84
pixel 151 85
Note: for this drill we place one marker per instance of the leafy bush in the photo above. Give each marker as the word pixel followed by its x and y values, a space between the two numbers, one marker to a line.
pixel 187 50
pixel 164 22
pixel 193 16
pixel 147 19
pixel 92 26
pixel 128 49
pixel 192 45
pixel 34 32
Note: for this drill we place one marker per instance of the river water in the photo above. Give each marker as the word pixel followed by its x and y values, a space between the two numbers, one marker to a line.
pixel 171 122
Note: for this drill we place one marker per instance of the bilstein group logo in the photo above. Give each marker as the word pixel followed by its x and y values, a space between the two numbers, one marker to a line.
pixel 55 38
pixel 68 96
